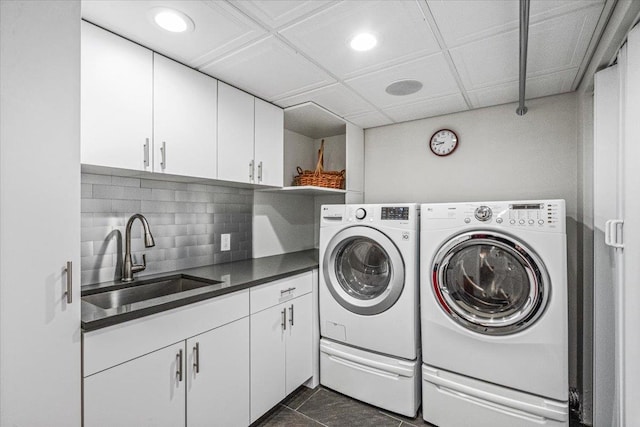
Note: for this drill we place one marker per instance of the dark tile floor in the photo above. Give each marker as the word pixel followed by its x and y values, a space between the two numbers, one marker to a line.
pixel 307 407
pixel 323 407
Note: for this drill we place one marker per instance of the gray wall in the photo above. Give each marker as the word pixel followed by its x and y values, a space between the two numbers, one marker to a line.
pixel 186 221
pixel 501 156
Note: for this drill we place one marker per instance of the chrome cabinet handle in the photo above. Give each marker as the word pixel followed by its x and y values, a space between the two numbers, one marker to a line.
pixel 284 319
pixel 291 315
pixel 69 272
pixel 284 291
pixel 179 371
pixel 196 357
pixel 260 172
pixel 146 152
pixel 251 171
pixel 163 152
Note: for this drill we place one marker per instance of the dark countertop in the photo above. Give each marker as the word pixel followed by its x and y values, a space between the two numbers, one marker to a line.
pixel 233 276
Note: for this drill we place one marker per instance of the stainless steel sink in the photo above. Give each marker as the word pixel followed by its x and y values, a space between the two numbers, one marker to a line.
pixel 145 291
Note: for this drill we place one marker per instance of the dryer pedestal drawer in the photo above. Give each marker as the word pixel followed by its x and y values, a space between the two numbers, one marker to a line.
pixel 387 382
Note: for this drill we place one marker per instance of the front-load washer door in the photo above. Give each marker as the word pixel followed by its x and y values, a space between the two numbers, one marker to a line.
pixel 363 270
pixel 490 283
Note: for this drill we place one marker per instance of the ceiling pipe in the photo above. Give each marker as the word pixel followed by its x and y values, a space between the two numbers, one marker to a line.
pixel 524 41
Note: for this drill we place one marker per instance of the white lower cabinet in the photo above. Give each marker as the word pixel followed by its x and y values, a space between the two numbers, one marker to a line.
pixel 146 391
pixel 133 379
pixel 218 376
pixel 281 341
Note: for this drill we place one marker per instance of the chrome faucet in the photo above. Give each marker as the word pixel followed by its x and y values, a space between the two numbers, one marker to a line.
pixel 128 267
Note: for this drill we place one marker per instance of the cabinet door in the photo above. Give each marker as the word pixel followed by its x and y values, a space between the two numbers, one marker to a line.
pixel 184 122
pixel 116 100
pixel 299 345
pixel 269 143
pixel 146 391
pixel 235 134
pixel 267 359
pixel 218 376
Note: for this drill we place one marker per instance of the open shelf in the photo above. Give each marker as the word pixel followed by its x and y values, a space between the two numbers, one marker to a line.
pixel 308 190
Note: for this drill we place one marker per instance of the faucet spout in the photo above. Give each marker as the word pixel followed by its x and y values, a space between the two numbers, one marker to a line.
pixel 128 267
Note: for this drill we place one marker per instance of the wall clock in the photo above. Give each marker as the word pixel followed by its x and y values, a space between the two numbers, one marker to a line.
pixel 444 142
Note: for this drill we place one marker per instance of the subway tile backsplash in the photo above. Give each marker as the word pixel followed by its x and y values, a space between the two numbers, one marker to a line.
pixel 186 221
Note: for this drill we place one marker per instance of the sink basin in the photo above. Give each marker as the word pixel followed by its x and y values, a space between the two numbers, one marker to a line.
pixel 146 290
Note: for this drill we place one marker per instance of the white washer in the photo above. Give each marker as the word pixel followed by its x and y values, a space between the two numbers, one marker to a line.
pixel 369 315
pixel 494 314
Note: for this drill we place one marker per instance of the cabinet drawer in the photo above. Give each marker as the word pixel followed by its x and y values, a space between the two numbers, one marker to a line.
pixel 274 293
pixel 116 344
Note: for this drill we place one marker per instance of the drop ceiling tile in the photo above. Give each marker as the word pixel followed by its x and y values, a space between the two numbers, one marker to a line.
pixel 433 71
pixel 429 108
pixel 269 69
pixel 276 13
pixel 399 26
pixel 219 28
pixel 554 45
pixel 537 87
pixel 335 98
pixel 369 120
pixel 464 21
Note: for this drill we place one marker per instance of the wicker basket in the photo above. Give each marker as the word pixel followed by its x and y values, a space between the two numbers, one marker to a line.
pixel 320 177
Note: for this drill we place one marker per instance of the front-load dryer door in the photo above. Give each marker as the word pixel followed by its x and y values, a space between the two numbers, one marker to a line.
pixel 363 270
pixel 489 282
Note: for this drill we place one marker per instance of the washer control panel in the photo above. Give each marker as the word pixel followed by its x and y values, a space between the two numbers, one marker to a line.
pixel 397 213
pixel 540 215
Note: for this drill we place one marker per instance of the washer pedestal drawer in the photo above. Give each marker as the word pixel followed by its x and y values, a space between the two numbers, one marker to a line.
pixel 452 400
pixel 386 382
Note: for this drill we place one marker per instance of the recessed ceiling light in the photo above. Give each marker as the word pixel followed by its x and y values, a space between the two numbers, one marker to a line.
pixel 363 41
pixel 403 87
pixel 171 20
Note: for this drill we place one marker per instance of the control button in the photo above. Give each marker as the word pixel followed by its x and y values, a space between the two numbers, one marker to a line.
pixel 483 213
pixel 360 213
pixel 541 221
pixel 467 220
pixel 512 221
pixel 499 220
pixel 531 221
pixel 521 221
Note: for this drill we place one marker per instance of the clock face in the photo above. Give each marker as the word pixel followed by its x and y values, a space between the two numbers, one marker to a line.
pixel 443 142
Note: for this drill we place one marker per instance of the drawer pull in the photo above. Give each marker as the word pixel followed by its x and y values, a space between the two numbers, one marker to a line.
pixel 284 291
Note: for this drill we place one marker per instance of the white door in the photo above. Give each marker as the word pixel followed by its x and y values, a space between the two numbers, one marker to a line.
pixel 146 391
pixel 299 357
pixel 607 206
pixel 218 376
pixel 269 144
pixel 630 378
pixel 184 122
pixel 267 359
pixel 39 213
pixel 117 94
pixel 235 134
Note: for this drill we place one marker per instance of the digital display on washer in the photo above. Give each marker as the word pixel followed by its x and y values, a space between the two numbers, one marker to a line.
pixel 395 213
pixel 527 206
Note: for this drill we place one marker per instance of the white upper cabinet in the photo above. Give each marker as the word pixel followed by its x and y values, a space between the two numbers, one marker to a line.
pixel 269 144
pixel 235 134
pixel 116 101
pixel 185 114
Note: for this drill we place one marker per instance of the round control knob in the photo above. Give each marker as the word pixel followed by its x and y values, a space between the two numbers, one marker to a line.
pixel 541 221
pixel 360 213
pixel 521 221
pixel 531 221
pixel 499 220
pixel 512 221
pixel 467 220
pixel 483 213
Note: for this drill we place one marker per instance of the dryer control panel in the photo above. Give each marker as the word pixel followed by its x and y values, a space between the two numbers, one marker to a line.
pixel 401 215
pixel 541 215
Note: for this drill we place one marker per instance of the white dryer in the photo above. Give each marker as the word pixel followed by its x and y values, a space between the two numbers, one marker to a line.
pixel 369 315
pixel 494 314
